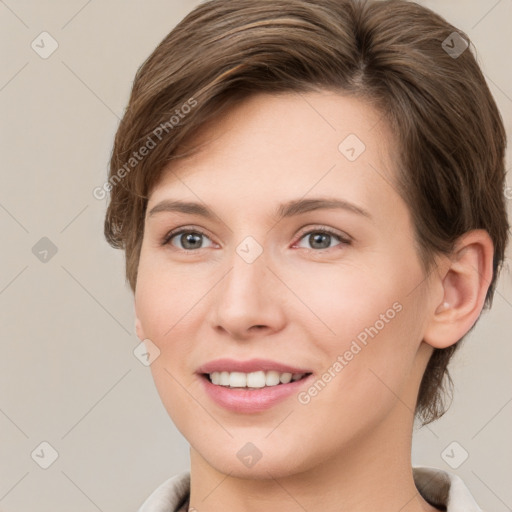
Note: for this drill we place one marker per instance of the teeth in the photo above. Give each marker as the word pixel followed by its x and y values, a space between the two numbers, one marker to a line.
pixel 237 380
pixel 271 379
pixel 224 379
pixel 285 378
pixel 256 379
pixel 259 379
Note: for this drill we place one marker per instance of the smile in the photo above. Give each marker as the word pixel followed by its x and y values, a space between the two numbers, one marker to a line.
pixel 254 380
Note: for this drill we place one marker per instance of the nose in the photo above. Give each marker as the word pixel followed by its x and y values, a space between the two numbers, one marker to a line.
pixel 249 300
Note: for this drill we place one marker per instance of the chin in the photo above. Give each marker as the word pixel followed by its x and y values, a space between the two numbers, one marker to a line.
pixel 257 462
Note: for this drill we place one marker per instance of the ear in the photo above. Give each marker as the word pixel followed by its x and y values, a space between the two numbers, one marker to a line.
pixel 138 329
pixel 138 326
pixel 465 280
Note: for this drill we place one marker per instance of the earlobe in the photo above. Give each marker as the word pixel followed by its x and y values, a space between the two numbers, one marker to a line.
pixel 138 329
pixel 138 324
pixel 465 283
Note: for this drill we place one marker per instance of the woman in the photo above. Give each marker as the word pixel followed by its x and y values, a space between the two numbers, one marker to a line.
pixel 309 196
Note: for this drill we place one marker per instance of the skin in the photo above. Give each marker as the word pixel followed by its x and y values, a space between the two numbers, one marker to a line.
pixel 349 448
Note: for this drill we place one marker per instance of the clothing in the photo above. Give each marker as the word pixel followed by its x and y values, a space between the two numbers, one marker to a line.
pixel 442 489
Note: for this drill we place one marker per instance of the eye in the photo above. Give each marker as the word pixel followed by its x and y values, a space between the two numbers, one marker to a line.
pixel 189 239
pixel 322 238
pixel 192 239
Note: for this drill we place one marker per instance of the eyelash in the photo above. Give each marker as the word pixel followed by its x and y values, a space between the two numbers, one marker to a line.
pixel 324 230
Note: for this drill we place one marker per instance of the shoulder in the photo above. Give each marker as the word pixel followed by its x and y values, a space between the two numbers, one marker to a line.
pixel 444 489
pixel 169 495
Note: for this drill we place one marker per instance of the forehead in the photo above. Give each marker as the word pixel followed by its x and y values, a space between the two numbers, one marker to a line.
pixel 286 144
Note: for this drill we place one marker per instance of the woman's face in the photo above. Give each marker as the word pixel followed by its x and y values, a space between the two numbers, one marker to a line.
pixel 305 260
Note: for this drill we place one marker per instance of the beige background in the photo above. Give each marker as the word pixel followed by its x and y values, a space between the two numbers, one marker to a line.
pixel 68 375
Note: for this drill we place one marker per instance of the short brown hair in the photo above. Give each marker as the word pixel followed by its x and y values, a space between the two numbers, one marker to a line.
pixel 395 54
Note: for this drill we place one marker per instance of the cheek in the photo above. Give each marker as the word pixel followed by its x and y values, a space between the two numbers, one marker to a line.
pixel 343 299
pixel 164 295
pixel 379 360
pixel 374 330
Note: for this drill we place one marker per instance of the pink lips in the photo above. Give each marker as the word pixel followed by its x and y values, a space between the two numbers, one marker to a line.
pixel 244 400
pixel 252 365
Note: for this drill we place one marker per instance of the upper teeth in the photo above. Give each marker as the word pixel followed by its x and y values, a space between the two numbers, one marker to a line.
pixel 258 379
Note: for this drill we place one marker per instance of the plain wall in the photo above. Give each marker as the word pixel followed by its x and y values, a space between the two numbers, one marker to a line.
pixel 68 375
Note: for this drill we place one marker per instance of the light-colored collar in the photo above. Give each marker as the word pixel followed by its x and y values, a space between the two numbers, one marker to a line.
pixel 442 489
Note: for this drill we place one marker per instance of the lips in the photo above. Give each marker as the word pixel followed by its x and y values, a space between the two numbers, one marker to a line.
pixel 260 394
pixel 252 365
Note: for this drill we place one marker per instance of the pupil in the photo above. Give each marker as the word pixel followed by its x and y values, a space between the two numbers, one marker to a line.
pixel 318 238
pixel 190 243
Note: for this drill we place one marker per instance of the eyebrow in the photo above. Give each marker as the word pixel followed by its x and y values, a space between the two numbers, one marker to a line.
pixel 288 209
